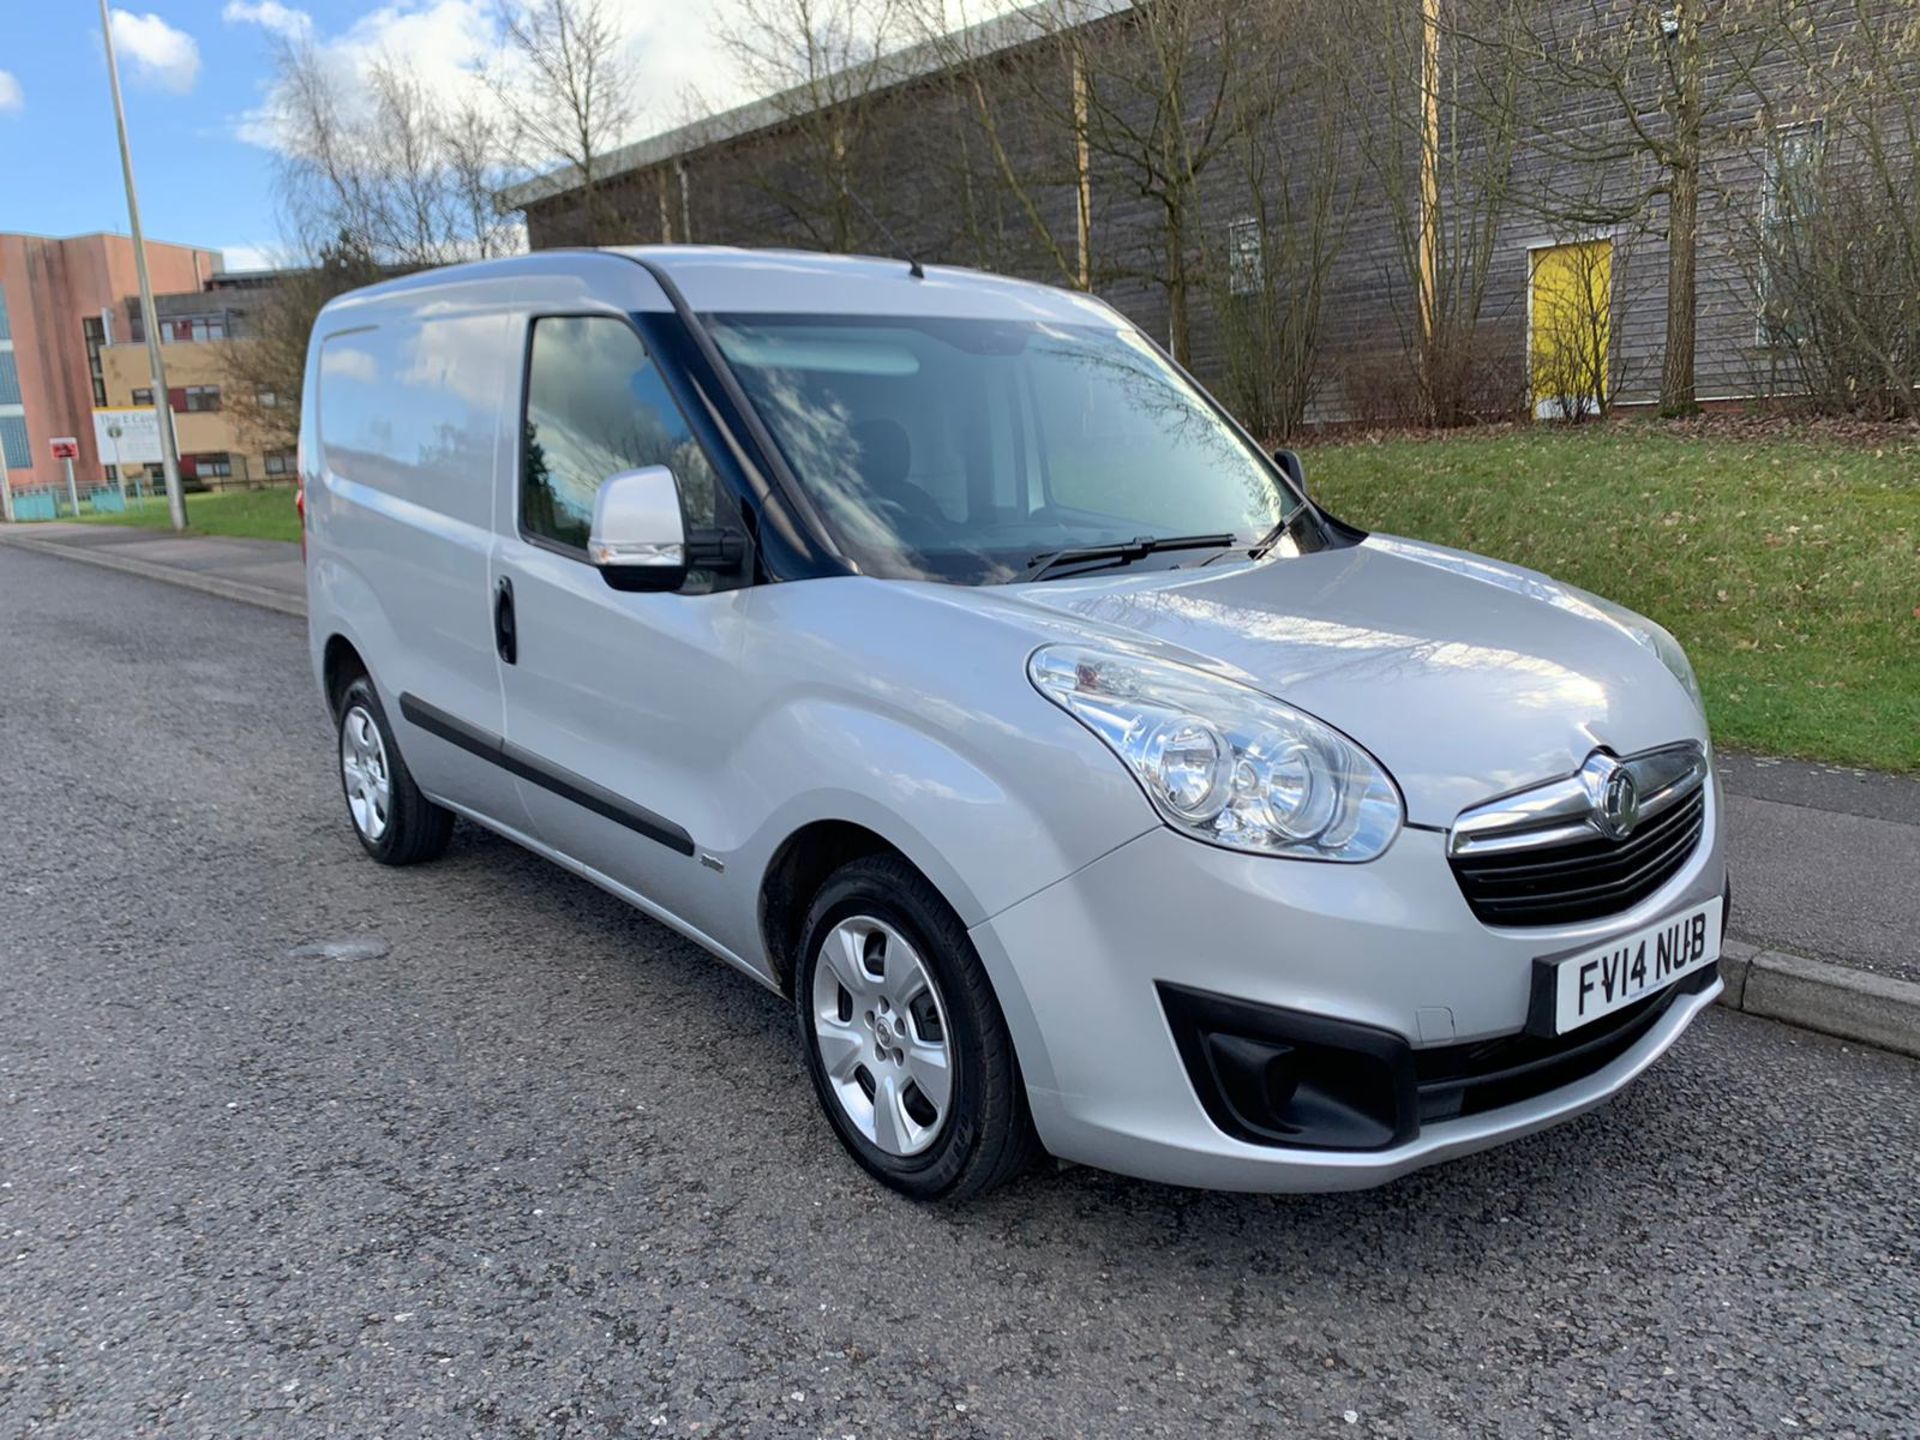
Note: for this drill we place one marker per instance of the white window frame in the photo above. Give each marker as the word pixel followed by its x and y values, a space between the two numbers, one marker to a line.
pixel 1246 256
pixel 1768 334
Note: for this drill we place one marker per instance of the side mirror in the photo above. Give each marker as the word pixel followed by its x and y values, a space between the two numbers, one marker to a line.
pixel 1291 467
pixel 639 537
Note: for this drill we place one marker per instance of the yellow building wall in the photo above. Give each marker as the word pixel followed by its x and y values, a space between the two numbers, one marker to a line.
pixel 199 432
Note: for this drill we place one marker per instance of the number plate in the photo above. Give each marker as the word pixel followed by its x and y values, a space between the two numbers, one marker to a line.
pixel 1574 990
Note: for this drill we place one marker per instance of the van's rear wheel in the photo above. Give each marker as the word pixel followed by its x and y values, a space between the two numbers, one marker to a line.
pixel 905 1041
pixel 395 823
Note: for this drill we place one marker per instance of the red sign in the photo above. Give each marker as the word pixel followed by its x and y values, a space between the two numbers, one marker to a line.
pixel 65 447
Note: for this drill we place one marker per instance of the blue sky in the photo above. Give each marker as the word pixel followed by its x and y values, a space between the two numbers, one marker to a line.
pixel 195 71
pixel 199 183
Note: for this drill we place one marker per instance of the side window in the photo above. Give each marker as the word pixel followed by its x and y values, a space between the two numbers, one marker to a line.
pixel 412 408
pixel 597 405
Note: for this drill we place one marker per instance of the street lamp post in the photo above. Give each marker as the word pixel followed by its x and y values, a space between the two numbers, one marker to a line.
pixel 169 452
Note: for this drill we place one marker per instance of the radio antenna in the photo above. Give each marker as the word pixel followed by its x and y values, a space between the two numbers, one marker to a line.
pixel 913 265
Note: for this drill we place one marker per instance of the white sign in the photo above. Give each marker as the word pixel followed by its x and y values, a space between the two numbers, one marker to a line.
pixel 129 436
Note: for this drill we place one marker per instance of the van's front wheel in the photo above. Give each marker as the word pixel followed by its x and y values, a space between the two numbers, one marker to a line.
pixel 395 823
pixel 905 1041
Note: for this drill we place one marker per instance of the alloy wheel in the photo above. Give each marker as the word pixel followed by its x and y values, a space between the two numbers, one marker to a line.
pixel 363 766
pixel 882 1034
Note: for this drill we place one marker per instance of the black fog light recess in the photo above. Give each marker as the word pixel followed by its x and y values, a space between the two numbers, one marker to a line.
pixel 1282 1081
pixel 1285 1077
pixel 1257 1079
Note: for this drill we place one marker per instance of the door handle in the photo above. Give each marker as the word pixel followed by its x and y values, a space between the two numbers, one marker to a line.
pixel 505 638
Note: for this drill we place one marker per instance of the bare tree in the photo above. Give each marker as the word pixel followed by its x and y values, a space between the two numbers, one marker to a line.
pixel 1439 138
pixel 1156 113
pixel 263 372
pixel 1833 247
pixel 1648 94
pixel 571 94
pixel 377 164
pixel 1268 282
pixel 821 64
pixel 473 144
pixel 1018 156
pixel 1159 95
pixel 376 175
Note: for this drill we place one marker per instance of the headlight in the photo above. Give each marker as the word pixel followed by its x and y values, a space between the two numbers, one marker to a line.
pixel 1659 641
pixel 1224 763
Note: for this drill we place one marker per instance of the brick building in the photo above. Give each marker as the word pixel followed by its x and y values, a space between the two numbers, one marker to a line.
pixel 61 304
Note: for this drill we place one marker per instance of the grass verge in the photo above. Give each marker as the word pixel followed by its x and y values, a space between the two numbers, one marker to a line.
pixel 1788 567
pixel 249 514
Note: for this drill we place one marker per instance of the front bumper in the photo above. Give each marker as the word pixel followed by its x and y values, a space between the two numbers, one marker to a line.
pixel 1084 969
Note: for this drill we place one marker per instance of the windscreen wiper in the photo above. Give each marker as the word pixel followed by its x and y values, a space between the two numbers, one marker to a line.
pixel 1123 552
pixel 1279 532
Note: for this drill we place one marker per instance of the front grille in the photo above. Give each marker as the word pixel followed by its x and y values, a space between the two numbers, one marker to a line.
pixel 1586 878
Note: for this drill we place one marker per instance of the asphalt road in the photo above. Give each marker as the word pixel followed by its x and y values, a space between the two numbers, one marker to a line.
pixel 533 1166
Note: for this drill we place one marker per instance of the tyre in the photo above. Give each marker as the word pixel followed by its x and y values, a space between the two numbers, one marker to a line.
pixel 396 824
pixel 906 1044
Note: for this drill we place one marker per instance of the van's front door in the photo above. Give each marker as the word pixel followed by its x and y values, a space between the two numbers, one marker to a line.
pixel 615 702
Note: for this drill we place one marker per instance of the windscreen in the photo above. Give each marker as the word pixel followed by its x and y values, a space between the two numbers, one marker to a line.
pixel 966 450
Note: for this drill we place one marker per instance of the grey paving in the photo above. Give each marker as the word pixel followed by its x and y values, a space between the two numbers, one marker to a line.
pixel 1826 862
pixel 528 1165
pixel 1835 789
pixel 270 566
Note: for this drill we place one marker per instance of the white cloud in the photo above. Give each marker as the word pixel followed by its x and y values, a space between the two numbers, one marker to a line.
pixel 282 20
pixel 680 67
pixel 677 55
pixel 347 363
pixel 160 53
pixel 678 64
pixel 12 98
pixel 443 44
